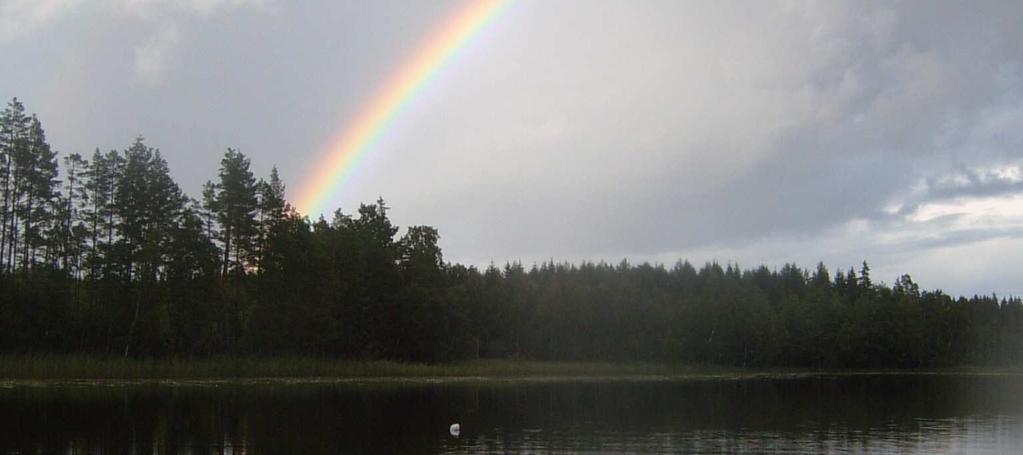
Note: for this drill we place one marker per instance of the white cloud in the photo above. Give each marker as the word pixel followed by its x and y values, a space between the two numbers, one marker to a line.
pixel 154 55
pixel 21 17
pixel 974 251
pixel 213 6
pixel 1009 174
pixel 151 8
pixel 975 212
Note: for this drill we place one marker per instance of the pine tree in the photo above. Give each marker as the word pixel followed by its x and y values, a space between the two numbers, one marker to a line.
pixel 272 211
pixel 99 187
pixel 72 229
pixel 821 278
pixel 36 168
pixel 864 278
pixel 149 204
pixel 237 203
pixel 14 127
pixel 209 210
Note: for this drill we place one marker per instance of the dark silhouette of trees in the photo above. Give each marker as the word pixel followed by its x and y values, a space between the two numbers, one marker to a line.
pixel 110 257
pixel 236 205
pixel 13 143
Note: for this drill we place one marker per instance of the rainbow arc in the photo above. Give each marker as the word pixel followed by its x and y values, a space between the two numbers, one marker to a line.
pixel 341 157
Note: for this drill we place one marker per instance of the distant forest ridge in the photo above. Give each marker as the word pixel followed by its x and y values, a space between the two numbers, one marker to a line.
pixel 110 257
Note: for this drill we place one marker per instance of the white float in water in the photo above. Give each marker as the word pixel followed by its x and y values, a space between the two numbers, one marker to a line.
pixel 455 429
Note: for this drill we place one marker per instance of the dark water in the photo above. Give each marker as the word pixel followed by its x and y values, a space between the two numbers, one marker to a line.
pixel 875 414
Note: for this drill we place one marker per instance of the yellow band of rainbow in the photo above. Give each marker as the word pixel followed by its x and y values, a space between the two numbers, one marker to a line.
pixel 345 150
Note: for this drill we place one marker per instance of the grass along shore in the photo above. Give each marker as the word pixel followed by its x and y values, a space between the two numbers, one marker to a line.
pixel 91 367
pixel 100 368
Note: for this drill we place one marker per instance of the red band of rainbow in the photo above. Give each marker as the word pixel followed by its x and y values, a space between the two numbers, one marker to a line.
pixel 346 149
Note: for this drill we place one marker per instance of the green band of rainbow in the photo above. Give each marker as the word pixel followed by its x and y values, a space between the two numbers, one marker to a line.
pixel 345 151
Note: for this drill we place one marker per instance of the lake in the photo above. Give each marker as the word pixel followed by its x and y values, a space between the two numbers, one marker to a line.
pixel 839 414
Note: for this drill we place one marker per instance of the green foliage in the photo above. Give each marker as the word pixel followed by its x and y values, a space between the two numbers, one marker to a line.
pixel 112 259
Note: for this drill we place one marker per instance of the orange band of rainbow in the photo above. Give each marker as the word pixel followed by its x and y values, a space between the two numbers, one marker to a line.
pixel 344 152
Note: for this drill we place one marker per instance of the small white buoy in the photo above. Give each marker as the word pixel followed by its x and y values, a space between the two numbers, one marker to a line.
pixel 455 429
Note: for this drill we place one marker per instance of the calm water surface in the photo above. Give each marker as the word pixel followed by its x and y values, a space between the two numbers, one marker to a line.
pixel 851 414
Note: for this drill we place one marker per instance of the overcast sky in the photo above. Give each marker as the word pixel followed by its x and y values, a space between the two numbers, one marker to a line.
pixel 749 132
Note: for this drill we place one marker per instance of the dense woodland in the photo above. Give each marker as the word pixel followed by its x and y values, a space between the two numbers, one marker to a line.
pixel 104 254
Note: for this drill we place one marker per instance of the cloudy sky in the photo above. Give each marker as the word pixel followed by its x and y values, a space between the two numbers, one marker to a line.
pixel 749 132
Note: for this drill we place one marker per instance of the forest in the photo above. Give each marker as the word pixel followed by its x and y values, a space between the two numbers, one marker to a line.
pixel 105 255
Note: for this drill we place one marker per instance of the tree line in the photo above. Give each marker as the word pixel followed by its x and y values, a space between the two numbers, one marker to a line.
pixel 106 255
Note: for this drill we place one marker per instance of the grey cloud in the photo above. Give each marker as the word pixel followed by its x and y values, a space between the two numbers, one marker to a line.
pixel 578 130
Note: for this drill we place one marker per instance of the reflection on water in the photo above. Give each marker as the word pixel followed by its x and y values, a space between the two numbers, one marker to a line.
pixel 893 414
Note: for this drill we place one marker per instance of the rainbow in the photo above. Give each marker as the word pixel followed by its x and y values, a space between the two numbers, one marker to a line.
pixel 347 148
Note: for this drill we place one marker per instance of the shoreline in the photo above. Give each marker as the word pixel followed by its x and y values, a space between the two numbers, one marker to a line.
pixel 463 380
pixel 83 370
